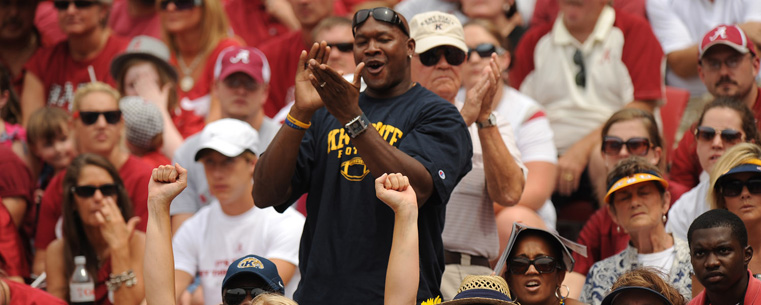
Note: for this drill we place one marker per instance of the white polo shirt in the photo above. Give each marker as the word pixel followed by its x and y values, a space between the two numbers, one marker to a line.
pixel 622 62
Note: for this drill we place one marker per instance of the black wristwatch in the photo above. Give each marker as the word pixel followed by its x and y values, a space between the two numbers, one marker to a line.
pixel 491 121
pixel 357 126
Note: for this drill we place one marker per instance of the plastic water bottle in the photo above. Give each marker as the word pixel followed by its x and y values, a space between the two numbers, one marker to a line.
pixel 81 285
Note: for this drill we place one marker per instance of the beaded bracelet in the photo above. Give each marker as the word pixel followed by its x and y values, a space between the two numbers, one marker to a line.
pixel 116 280
pixel 296 124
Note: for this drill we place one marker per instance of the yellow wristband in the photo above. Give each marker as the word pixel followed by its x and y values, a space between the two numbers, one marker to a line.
pixel 298 123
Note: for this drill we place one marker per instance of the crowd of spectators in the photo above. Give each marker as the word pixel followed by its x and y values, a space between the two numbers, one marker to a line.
pixel 380 151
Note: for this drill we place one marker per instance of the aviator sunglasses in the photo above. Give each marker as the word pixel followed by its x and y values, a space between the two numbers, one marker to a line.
pixel 234 296
pixel 180 4
pixel 90 117
pixel 381 14
pixel 612 146
pixel 485 50
pixel 705 133
pixel 62 5
pixel 87 191
pixel 734 187
pixel 453 55
pixel 543 264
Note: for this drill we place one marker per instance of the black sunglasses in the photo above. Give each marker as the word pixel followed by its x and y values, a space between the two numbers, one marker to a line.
pixel 235 296
pixel 381 14
pixel 485 50
pixel 636 146
pixel 729 136
pixel 581 76
pixel 180 4
pixel 90 117
pixel 733 187
pixel 87 191
pixel 62 5
pixel 543 264
pixel 344 47
pixel 453 55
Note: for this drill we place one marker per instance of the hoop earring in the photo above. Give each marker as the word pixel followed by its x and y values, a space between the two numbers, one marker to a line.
pixel 410 56
pixel 663 218
pixel 557 293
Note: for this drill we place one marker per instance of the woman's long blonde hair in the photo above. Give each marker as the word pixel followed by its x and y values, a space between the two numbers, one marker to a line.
pixel 272 299
pixel 214 27
pixel 737 155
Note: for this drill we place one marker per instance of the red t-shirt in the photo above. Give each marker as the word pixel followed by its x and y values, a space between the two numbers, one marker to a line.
pixel 128 26
pixel 686 168
pixel 46 21
pixel 641 53
pixel 283 57
pixel 61 75
pixel 154 159
pixel 752 293
pixel 602 239
pixel 26 295
pixel 15 181
pixel 134 173
pixel 250 21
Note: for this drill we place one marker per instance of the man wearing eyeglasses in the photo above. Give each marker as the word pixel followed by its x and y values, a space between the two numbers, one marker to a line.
pixel 470 235
pixel 98 128
pixel 241 85
pixel 727 64
pixel 592 61
pixel 336 140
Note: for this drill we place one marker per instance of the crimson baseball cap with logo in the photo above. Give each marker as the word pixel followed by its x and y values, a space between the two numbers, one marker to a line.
pixel 729 35
pixel 248 60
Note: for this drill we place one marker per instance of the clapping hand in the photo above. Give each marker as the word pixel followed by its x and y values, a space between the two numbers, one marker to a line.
pixel 479 101
pixel 307 98
pixel 396 192
pixel 339 96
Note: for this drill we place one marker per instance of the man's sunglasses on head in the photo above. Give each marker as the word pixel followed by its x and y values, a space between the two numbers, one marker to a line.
pixel 381 14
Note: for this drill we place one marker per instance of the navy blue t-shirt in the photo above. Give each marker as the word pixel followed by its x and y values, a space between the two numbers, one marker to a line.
pixel 347 236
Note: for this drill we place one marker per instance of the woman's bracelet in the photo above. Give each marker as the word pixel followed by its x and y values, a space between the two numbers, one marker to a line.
pixel 296 124
pixel 116 280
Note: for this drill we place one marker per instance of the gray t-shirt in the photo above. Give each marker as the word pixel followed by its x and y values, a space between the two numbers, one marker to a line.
pixel 196 194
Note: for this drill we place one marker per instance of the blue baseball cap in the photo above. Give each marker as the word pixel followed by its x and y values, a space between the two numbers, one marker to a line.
pixel 259 267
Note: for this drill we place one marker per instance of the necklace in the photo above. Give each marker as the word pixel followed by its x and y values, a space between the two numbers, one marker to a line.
pixel 187 82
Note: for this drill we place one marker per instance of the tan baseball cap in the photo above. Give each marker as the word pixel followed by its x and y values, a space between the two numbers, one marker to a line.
pixel 433 29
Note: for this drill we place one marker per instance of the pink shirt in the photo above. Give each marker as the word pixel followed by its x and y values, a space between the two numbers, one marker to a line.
pixel 752 293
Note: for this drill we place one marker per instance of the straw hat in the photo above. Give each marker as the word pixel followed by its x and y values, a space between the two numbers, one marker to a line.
pixel 482 289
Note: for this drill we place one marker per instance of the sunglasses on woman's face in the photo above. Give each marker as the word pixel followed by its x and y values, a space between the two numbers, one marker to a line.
pixel 87 191
pixel 90 117
pixel 729 136
pixel 235 296
pixel 484 50
pixel 734 187
pixel 542 264
pixel 180 5
pixel 612 146
pixel 453 55
pixel 63 5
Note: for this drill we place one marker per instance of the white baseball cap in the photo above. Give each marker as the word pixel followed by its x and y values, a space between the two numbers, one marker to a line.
pixel 433 29
pixel 229 137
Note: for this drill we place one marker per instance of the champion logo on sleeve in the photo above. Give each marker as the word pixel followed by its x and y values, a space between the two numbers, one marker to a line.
pixel 442 175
